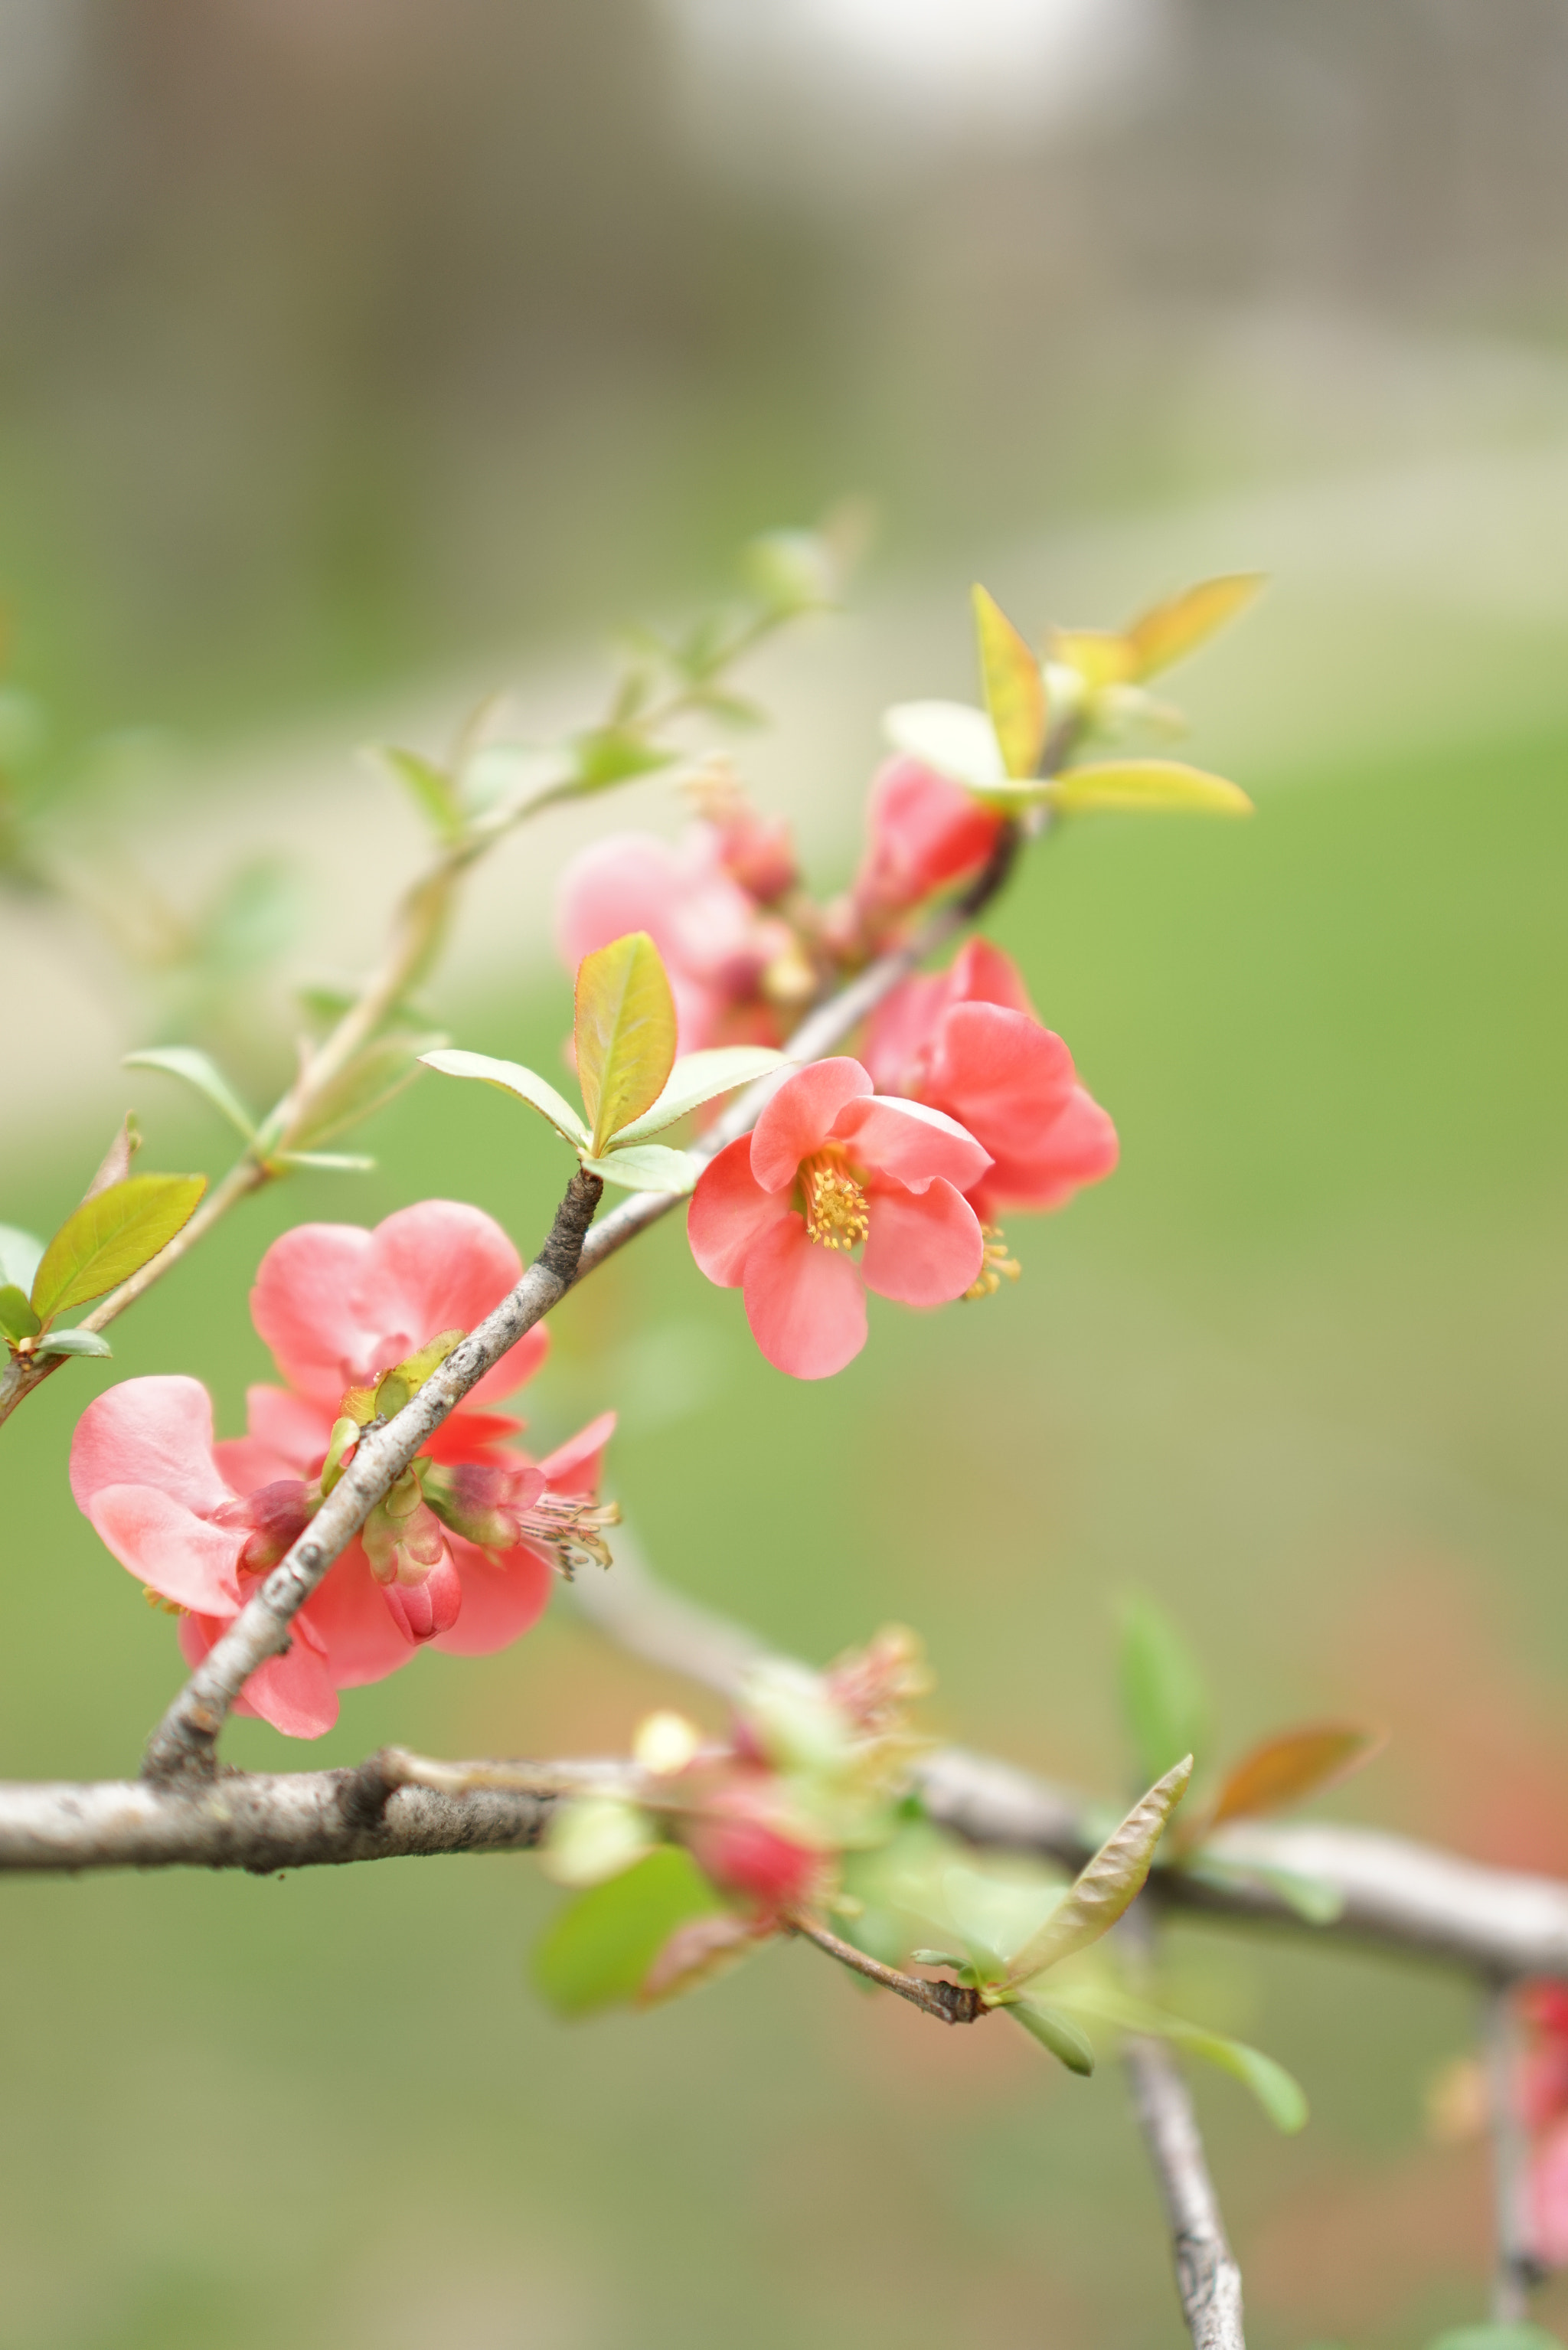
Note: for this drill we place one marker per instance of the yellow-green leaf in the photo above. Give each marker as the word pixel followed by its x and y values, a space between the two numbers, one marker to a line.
pixel 1168 632
pixel 625 1032
pixel 1105 1885
pixel 1101 655
pixel 1287 1769
pixel 1014 688
pixel 111 1236
pixel 1276 2091
pixel 1144 784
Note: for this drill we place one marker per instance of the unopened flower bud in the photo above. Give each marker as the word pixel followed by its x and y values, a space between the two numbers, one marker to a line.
pixel 485 1502
pixel 743 1853
pixel 430 1606
pixel 276 1515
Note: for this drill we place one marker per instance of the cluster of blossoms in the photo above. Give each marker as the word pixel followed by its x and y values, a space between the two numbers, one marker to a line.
pixel 460 1554
pixel 813 1768
pixel 888 1172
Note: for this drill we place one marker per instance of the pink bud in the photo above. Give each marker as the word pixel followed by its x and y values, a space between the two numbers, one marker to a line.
pixel 429 1606
pixel 743 1853
pixel 277 1516
pixel 925 832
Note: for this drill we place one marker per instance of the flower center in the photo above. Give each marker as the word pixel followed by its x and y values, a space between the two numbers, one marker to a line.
pixel 995 1267
pixel 836 1209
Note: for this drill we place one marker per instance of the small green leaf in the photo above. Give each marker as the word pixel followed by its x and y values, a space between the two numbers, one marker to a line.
pixel 1279 2095
pixel 20 1255
pixel 614 755
pixel 1056 2032
pixel 625 1032
pixel 699 1078
pixel 1287 1769
pixel 600 1948
pixel 1014 688
pixel 196 1069
pixel 648 1167
pixel 1523 2337
pixel 512 1077
pixel 431 788
pixel 371 1079
pixel 1143 784
pixel 959 741
pixel 937 1959
pixel 73 1342
pixel 330 1162
pixel 1168 632
pixel 111 1236
pixel 1162 1693
pixel 17 1319
pixel 1315 1903
pixel 1105 1885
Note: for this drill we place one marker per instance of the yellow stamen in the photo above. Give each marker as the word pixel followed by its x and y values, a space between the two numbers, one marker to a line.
pixel 996 1265
pixel 836 1209
pixel 156 1599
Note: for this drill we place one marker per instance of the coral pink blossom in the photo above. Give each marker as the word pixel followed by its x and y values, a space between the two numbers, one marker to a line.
pixel 968 1042
pixel 714 943
pixel 832 1166
pixel 925 832
pixel 201 1523
pixel 1543 2106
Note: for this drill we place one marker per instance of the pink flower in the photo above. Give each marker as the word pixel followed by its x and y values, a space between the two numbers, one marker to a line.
pixel 714 943
pixel 926 832
pixel 831 1166
pixel 968 1042
pixel 461 1553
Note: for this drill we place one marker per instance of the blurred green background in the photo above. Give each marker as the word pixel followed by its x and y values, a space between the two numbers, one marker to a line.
pixel 354 351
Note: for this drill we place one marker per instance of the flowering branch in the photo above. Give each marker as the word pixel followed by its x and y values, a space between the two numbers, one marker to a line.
pixel 184 1743
pixel 1517 2271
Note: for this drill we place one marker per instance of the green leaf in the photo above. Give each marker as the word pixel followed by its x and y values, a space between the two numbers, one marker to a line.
pixel 371 1079
pixel 699 1078
pixel 1523 2337
pixel 790 570
pixel 625 1032
pixel 1279 2095
pixel 1162 1693
pixel 184 1061
pixel 1143 784
pixel 1315 1903
pixel 1168 632
pixel 431 788
pixel 1056 2032
pixel 1287 1769
pixel 959 741
pixel 648 1167
pixel 73 1342
pixel 111 1236
pixel 20 1255
pixel 601 1946
pixel 1105 1885
pixel 17 1319
pixel 330 1162
pixel 512 1077
pixel 1014 688
pixel 614 755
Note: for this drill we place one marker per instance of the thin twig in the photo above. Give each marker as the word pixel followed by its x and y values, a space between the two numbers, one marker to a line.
pixel 1516 2271
pixel 185 1740
pixel 1207 2276
pixel 949 2002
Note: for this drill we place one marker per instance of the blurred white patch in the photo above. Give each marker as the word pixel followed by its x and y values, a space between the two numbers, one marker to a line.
pixel 40 50
pixel 871 86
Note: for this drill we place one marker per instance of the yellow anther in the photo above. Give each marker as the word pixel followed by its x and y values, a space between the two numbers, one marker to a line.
pixel 995 1267
pixel 836 1209
pixel 156 1599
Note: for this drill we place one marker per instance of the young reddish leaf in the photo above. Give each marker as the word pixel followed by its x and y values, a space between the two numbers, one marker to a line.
pixel 625 1032
pixel 1153 784
pixel 1105 1885
pixel 601 1946
pixel 1014 687
pixel 1297 1763
pixel 111 1236
pixel 699 1952
pixel 1101 655
pixel 1168 632
pixel 114 1164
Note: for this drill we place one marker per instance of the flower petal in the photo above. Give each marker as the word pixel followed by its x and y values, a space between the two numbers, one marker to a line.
pixel 470 1435
pixel 502 1598
pixel 166 1546
pixel 923 1248
pixel 291 1426
pixel 911 1142
pixel 806 1303
pixel 800 1117
pixel 982 974
pixel 293 1692
pixel 352 1622
pixel 156 1432
pixel 729 1210
pixel 1014 1084
pixel 574 1467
